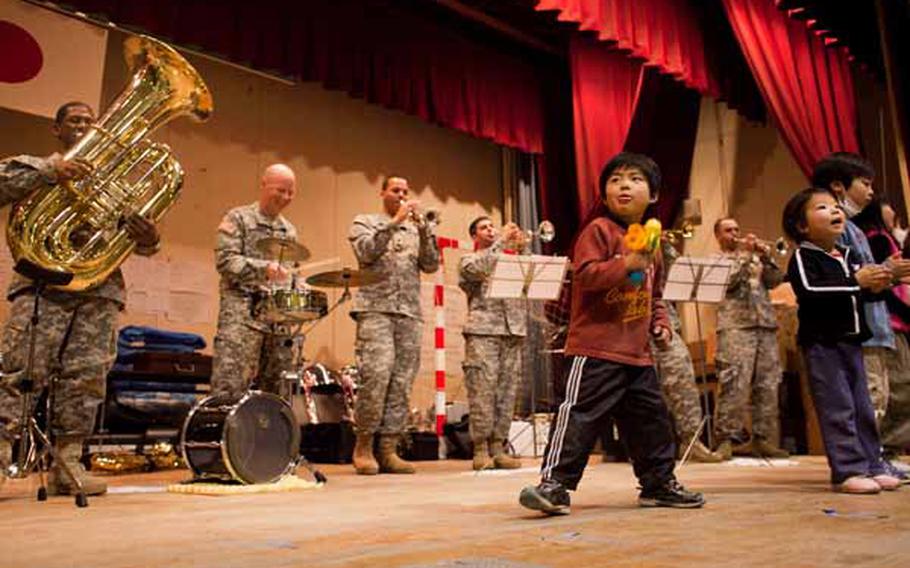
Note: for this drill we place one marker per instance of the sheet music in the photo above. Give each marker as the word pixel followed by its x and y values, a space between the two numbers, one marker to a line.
pixel 698 279
pixel 536 277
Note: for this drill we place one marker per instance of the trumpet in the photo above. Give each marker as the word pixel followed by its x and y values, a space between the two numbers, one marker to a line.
pixel 425 217
pixel 674 236
pixel 545 232
pixel 777 247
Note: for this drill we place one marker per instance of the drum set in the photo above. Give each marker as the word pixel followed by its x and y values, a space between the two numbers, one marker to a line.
pixel 255 437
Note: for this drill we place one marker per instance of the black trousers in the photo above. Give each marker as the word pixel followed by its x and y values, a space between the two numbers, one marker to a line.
pixel 595 390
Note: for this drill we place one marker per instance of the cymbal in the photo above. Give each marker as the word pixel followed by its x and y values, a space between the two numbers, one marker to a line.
pixel 344 277
pixel 275 248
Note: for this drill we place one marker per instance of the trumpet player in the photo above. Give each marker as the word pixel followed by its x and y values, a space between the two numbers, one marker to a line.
pixel 75 338
pixel 747 353
pixel 494 337
pixel 397 244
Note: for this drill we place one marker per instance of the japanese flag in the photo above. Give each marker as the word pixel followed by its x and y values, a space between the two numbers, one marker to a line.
pixel 47 59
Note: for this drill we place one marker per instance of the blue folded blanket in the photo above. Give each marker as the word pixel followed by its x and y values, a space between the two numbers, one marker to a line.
pixel 135 339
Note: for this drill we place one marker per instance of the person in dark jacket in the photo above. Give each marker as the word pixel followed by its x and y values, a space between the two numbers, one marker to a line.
pixel 829 285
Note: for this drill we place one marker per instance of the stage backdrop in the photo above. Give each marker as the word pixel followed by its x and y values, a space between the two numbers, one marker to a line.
pixel 338 146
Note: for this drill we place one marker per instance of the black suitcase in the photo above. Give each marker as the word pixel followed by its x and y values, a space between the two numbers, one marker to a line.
pixel 420 446
pixel 181 367
pixel 329 442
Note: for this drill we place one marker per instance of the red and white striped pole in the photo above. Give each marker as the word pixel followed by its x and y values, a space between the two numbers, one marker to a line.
pixel 440 330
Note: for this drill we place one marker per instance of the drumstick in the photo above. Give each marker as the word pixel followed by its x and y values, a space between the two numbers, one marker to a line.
pixel 318 264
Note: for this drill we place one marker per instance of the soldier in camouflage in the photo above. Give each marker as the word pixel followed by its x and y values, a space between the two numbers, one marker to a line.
pixel 75 340
pixel 677 378
pixel 494 336
pixel 248 349
pixel 748 361
pixel 393 245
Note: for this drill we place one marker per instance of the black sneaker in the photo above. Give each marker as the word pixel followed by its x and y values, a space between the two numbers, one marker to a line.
pixel 671 494
pixel 549 497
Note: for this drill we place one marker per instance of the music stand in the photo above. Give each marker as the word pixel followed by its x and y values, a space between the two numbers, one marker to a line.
pixel 528 277
pixel 700 280
pixel 34 443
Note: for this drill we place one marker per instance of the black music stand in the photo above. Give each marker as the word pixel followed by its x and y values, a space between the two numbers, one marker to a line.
pixel 34 444
pixel 700 280
pixel 528 277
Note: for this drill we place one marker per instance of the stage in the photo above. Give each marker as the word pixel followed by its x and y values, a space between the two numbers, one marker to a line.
pixel 448 516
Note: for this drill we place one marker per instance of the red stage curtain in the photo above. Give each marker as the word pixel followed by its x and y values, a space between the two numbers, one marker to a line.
pixel 605 89
pixel 371 50
pixel 665 33
pixel 666 107
pixel 685 39
pixel 807 87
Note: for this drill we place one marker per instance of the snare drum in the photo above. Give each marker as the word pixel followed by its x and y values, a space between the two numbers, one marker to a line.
pixel 253 438
pixel 285 305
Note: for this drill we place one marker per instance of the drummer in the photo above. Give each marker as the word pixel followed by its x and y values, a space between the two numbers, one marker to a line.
pixel 247 348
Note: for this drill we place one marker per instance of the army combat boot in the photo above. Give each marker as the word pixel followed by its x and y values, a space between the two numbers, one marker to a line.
pixel 363 459
pixel 501 459
pixel 725 450
pixel 6 457
pixel 482 456
pixel 764 449
pixel 700 453
pixel 69 450
pixel 388 459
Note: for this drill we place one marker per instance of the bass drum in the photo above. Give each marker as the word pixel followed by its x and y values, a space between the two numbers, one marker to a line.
pixel 253 438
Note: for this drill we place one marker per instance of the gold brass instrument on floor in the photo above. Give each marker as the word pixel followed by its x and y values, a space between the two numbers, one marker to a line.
pixel 161 456
pixel 77 227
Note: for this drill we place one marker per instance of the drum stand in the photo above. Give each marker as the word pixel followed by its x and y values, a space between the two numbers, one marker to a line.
pixel 34 444
pixel 287 389
pixel 287 392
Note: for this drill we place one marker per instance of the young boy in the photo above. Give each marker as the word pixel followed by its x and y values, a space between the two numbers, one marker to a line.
pixel 828 282
pixel 611 371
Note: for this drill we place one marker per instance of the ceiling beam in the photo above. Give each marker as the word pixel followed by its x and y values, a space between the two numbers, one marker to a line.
pixel 498 25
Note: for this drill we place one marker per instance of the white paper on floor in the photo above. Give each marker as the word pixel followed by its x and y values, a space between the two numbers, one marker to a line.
pixel 501 472
pixel 761 462
pixel 126 489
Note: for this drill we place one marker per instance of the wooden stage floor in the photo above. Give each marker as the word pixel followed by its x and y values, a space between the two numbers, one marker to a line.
pixel 446 516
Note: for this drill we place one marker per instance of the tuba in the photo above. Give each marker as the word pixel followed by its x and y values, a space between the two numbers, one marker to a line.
pixel 76 228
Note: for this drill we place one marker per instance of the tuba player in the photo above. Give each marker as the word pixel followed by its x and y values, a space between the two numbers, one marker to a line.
pixel 75 337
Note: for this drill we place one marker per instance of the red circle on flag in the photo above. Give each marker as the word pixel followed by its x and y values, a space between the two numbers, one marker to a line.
pixel 20 55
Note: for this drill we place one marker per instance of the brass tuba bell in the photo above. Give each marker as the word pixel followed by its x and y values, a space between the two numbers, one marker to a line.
pixel 75 228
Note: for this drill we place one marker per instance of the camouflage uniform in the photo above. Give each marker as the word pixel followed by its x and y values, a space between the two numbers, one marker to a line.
pixel 675 369
pixel 388 317
pixel 494 335
pixel 747 350
pixel 76 335
pixel 246 348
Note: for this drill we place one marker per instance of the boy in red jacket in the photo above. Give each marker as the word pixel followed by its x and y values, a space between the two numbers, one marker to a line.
pixel 611 372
